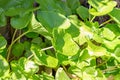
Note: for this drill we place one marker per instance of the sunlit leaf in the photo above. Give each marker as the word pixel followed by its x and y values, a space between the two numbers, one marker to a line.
pixel 101 7
pixel 4 67
pixel 3 43
pixel 42 58
pixel 61 75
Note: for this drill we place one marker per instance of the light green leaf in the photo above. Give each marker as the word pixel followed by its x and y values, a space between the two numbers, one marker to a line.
pixel 20 22
pixel 111 44
pixel 75 70
pixel 117 77
pixel 117 51
pixel 95 50
pixel 83 12
pixel 4 67
pixel 61 75
pixel 3 43
pixel 45 76
pixel 101 7
pixel 108 34
pixel 42 58
pixel 64 43
pixel 30 67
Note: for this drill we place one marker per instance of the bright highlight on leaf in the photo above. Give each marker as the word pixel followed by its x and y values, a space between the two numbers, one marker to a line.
pixel 101 7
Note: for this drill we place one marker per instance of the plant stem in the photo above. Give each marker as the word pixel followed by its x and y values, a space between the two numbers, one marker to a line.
pixel 14 35
pixel 51 47
pixel 92 18
pixel 44 49
pixel 9 48
pixel 106 22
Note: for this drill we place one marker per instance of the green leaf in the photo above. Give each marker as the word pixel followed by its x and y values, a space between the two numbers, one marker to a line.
pixel 63 4
pixel 115 15
pixel 50 19
pixel 101 7
pixel 45 76
pixel 111 44
pixel 3 43
pixel 117 51
pixel 20 22
pixel 117 77
pixel 83 12
pixel 108 34
pixel 13 7
pixel 4 67
pixel 84 55
pixel 75 70
pixel 61 75
pixel 17 49
pixel 32 35
pixel 23 68
pixel 30 67
pixel 64 43
pixel 96 50
pixel 3 20
pixel 42 58
pixel 26 45
pixel 36 27
pixel 50 5
pixel 73 5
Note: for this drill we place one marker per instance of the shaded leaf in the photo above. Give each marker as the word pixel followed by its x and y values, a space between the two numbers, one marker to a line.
pixel 17 49
pixel 83 12
pixel 20 22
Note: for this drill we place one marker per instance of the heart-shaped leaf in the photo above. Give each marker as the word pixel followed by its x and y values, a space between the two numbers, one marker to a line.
pixel 20 22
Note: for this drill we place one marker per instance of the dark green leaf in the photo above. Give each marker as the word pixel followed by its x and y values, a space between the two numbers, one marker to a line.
pixel 17 49
pixel 20 22
pixel 83 12
pixel 51 19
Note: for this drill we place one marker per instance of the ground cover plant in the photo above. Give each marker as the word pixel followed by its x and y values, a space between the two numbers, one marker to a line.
pixel 59 40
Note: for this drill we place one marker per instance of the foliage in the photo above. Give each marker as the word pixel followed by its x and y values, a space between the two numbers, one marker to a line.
pixel 59 39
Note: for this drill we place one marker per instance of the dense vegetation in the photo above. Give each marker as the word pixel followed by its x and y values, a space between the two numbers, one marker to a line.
pixel 59 40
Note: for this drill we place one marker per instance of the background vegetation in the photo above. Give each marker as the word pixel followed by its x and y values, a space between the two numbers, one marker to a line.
pixel 59 40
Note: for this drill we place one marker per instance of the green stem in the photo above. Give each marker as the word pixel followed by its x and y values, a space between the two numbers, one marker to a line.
pixel 44 49
pixel 9 48
pixel 92 18
pixel 14 35
pixel 89 14
pixel 106 22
